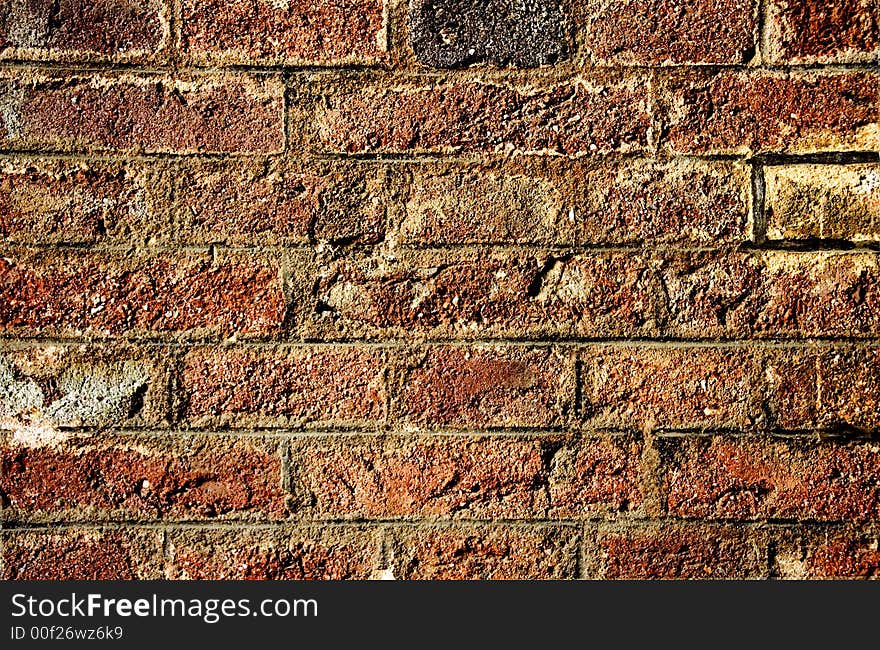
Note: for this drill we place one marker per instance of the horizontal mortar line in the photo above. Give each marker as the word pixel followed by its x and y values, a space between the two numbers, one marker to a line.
pixel 819 158
pixel 14 341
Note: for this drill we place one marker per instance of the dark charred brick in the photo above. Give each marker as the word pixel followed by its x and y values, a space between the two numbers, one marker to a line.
pixel 485 553
pixel 457 33
pixel 788 112
pixel 265 202
pixel 636 32
pixel 285 31
pixel 284 386
pixel 683 552
pixel 755 479
pixel 773 294
pixel 122 478
pixel 142 113
pixel 819 30
pixel 837 202
pixel 82 555
pixel 279 554
pixel 66 27
pixel 594 115
pixel 458 477
pixel 490 293
pixel 105 293
pixel 513 386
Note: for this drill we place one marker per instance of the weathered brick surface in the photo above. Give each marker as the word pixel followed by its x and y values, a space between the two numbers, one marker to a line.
pixel 756 479
pixel 86 554
pixel 813 30
pixel 284 386
pixel 731 112
pixel 682 552
pixel 457 33
pixel 485 553
pixel 45 201
pixel 460 477
pixel 134 112
pixel 635 32
pixel 776 293
pixel 281 31
pixel 325 553
pixel 849 388
pixel 109 294
pixel 829 554
pixel 67 28
pixel 84 478
pixel 580 117
pixel 823 202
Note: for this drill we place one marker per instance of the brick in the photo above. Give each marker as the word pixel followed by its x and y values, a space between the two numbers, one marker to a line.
pixel 53 202
pixel 809 31
pixel 284 386
pixel 773 294
pixel 337 553
pixel 454 477
pixel 269 202
pixel 452 386
pixel 73 292
pixel 86 554
pixel 697 387
pixel 46 389
pixel 67 28
pixel 837 554
pixel 657 32
pixel 448 205
pixel 487 293
pixel 731 112
pixel 485 553
pixel 142 113
pixel 457 33
pixel 284 31
pixel 823 202
pixel 682 203
pixel 756 479
pixel 683 552
pixel 600 114
pixel 849 389
pixel 83 479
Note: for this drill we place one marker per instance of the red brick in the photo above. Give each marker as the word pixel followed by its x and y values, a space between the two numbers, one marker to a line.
pixel 71 292
pixel 154 114
pixel 266 202
pixel 284 386
pixel 46 387
pixel 818 30
pixel 697 387
pixel 823 202
pixel 82 555
pixel 683 552
pixel 734 112
pixel 748 479
pixel 595 114
pixel 833 554
pixel 490 293
pixel 69 27
pixel 460 477
pixel 143 478
pixel 284 31
pixel 452 386
pixel 278 554
pixel 849 389
pixel 773 294
pixel 636 32
pixel 485 553
pixel 51 202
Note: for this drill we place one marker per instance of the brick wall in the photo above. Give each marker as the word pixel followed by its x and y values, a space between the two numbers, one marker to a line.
pixel 440 289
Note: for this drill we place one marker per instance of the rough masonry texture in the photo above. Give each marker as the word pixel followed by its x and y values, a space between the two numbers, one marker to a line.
pixel 439 289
